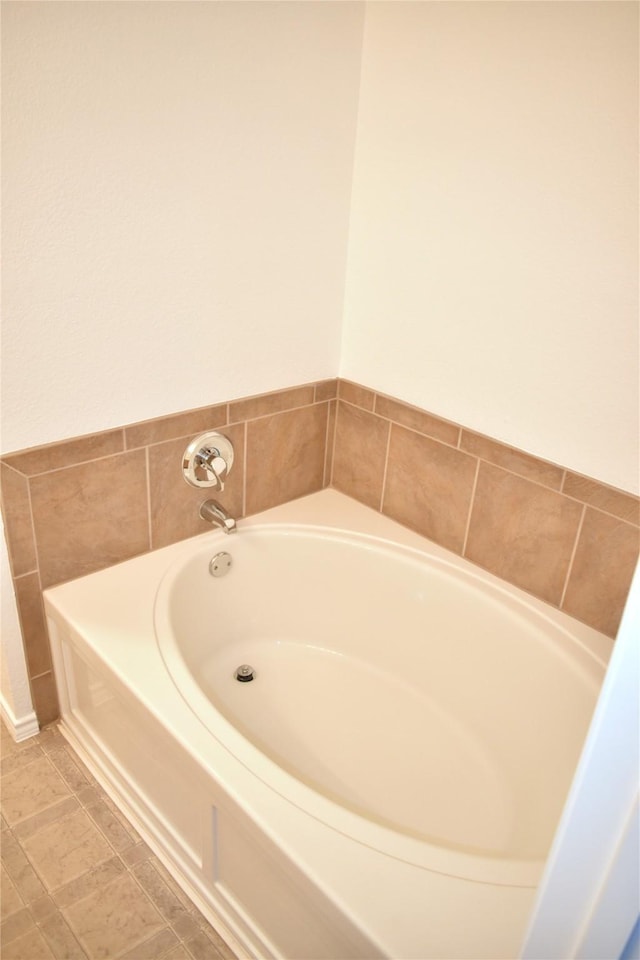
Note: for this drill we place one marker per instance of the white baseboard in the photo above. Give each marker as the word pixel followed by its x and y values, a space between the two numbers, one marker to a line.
pixel 20 728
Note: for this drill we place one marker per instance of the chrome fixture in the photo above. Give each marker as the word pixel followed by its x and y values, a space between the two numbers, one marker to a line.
pixel 245 673
pixel 220 564
pixel 207 461
pixel 217 515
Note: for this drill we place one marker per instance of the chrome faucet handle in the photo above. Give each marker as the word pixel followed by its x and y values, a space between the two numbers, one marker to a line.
pixel 218 467
pixel 210 459
pixel 207 461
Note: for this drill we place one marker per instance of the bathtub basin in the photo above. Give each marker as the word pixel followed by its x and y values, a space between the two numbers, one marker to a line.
pixel 399 761
pixel 404 689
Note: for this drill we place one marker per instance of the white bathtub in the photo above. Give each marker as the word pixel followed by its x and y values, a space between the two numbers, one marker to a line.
pixel 389 782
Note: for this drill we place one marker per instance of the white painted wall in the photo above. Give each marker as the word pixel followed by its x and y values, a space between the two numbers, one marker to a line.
pixel 16 708
pixel 177 197
pixel 177 180
pixel 493 259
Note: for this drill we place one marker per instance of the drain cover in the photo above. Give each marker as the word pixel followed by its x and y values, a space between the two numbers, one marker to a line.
pixel 244 673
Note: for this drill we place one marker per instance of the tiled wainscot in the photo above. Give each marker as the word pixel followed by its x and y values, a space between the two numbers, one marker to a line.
pixel 83 504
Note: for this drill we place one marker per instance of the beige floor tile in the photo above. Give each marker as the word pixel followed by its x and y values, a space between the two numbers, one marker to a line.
pixel 22 874
pixel 186 927
pixel 31 946
pixel 10 899
pixel 223 950
pixel 9 745
pixel 97 878
pixel 72 774
pixel 179 953
pixel 63 808
pixel 156 947
pixel 30 789
pixel 66 849
pixel 111 825
pixel 14 758
pixel 202 948
pixel 113 919
pixel 42 908
pixel 159 892
pixel 136 854
pixel 106 895
pixel 16 925
pixel 51 739
pixel 61 939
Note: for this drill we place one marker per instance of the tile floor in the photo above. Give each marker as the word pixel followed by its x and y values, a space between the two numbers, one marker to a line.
pixel 78 883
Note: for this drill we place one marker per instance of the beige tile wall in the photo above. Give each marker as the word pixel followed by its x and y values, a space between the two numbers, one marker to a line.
pixel 77 506
pixel 74 507
pixel 567 539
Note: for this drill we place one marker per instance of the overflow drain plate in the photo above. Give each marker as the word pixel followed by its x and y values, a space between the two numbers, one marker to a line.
pixel 220 564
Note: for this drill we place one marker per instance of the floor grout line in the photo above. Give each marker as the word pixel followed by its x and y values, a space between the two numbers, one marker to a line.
pixel 114 868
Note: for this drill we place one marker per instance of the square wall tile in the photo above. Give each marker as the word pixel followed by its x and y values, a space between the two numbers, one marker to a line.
pixel 522 532
pixel 429 487
pixel 602 569
pixel 90 516
pixel 32 623
pixel 285 456
pixel 45 698
pixel 360 452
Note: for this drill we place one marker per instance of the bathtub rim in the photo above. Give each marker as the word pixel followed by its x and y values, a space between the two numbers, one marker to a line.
pixel 124 653
pixel 448 860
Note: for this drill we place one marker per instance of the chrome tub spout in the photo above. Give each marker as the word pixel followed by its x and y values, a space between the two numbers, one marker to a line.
pixel 216 514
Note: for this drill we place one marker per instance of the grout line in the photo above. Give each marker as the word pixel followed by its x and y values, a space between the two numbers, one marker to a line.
pixel 325 471
pixel 404 426
pixel 572 557
pixel 27 573
pixel 45 673
pixel 334 441
pixel 76 463
pixel 9 466
pixel 275 413
pixel 245 450
pixel 471 505
pixel 33 531
pixel 563 480
pixel 148 484
pixel 386 466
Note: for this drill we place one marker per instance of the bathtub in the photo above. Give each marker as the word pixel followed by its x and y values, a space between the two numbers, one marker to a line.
pixel 388 781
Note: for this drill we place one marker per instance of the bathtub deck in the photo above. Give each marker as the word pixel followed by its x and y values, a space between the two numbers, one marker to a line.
pixel 62 837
